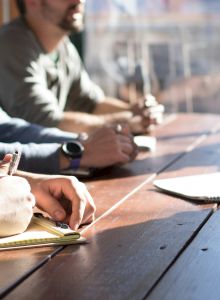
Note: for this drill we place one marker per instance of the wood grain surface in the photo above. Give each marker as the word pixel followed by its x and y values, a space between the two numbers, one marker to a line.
pixel 139 233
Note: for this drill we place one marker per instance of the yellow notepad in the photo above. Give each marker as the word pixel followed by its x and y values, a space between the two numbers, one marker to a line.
pixel 42 232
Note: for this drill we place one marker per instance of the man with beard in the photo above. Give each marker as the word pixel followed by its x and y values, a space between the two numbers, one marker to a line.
pixel 43 79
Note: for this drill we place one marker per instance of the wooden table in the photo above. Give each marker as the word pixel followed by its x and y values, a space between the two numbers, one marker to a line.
pixel 144 244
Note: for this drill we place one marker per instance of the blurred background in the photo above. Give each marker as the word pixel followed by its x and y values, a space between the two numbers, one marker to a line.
pixel 170 48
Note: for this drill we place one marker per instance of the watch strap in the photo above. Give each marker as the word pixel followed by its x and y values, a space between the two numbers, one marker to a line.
pixel 74 163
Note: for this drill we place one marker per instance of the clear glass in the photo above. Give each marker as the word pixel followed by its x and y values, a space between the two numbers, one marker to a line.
pixel 170 48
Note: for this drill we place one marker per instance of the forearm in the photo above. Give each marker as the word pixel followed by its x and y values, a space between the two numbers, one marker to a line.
pixel 30 176
pixel 111 105
pixel 39 158
pixel 24 132
pixel 80 122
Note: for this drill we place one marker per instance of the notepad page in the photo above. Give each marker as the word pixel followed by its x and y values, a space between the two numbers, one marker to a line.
pixel 205 186
pixel 35 235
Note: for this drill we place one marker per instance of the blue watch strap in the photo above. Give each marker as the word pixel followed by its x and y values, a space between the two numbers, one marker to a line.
pixel 74 164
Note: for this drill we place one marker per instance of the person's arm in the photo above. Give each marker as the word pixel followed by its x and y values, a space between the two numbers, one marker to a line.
pixel 64 198
pixel 47 158
pixel 38 158
pixel 80 122
pixel 139 116
pixel 16 202
pixel 111 111
pixel 111 105
pixel 14 129
pixel 104 148
pixel 31 99
pixel 107 147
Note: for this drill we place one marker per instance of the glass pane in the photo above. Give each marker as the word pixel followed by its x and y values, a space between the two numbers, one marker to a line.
pixel 170 48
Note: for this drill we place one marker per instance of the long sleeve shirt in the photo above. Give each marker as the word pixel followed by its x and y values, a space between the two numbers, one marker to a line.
pixel 37 87
pixel 40 146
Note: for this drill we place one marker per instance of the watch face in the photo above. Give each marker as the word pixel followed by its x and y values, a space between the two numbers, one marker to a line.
pixel 73 149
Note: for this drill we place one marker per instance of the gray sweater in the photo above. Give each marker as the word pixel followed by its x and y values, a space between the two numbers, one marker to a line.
pixel 37 87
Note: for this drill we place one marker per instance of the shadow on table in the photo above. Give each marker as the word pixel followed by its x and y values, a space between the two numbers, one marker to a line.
pixel 127 260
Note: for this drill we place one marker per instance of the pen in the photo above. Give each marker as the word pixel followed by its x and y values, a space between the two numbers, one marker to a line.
pixel 14 162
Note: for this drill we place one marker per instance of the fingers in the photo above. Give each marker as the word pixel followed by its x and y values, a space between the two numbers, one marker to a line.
pixel 48 203
pixel 150 114
pixel 78 207
pixel 154 114
pixel 128 147
pixel 6 159
pixel 125 143
pixel 78 214
pixel 83 207
pixel 4 165
pixel 89 208
pixel 106 147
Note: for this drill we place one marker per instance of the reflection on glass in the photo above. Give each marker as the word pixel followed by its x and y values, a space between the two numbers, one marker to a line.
pixel 167 47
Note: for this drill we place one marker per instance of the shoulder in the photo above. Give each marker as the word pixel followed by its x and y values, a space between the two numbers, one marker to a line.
pixel 15 28
pixel 16 34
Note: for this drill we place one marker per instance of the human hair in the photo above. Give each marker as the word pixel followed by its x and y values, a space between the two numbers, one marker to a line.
pixel 21 6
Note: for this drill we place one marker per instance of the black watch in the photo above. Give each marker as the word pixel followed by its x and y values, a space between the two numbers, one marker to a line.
pixel 72 150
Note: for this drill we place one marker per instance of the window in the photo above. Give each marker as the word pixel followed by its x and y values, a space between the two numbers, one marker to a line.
pixel 170 48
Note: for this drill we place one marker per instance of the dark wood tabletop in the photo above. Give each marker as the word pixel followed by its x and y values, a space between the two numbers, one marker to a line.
pixel 144 244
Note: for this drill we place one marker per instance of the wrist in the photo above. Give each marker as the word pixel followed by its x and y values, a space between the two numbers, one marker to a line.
pixel 63 161
pixel 70 155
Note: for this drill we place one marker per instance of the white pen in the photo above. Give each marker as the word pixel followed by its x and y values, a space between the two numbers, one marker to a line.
pixel 14 162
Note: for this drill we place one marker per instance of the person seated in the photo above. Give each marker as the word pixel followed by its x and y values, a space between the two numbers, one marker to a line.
pixel 45 149
pixel 43 79
pixel 19 193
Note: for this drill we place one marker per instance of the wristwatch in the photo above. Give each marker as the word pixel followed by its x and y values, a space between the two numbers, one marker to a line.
pixel 74 151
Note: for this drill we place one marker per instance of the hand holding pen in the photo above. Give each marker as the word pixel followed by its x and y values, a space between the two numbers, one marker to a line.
pixel 13 165
pixel 9 164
